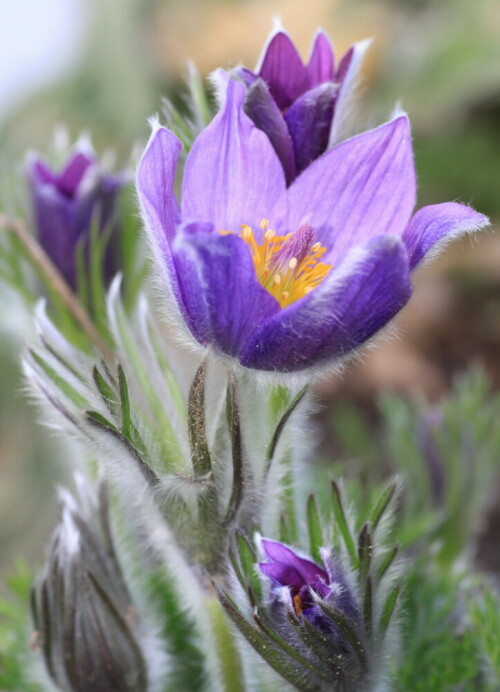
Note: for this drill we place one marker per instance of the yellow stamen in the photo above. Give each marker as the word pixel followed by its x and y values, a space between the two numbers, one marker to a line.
pixel 297 604
pixel 290 280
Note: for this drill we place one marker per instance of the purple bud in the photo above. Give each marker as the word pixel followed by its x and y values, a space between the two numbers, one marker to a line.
pixel 65 206
pixel 296 584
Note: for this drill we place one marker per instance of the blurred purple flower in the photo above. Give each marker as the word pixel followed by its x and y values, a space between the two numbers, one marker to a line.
pixel 66 204
pixel 296 582
pixel 284 279
pixel 296 105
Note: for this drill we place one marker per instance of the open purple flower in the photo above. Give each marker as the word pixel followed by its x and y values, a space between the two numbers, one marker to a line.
pixel 301 107
pixel 284 279
pixel 66 204
pixel 296 583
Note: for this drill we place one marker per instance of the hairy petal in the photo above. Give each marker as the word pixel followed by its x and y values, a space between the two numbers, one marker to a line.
pixel 348 77
pixel 283 71
pixel 362 188
pixel 155 187
pixel 371 285
pixel 437 224
pixel 262 109
pixel 232 174
pixel 322 61
pixel 221 298
pixel 309 121
pixel 281 555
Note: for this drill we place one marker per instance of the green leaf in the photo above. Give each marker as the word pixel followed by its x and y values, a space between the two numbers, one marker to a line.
pixel 388 610
pixel 125 403
pixel 382 504
pixel 281 425
pixel 314 528
pixel 341 522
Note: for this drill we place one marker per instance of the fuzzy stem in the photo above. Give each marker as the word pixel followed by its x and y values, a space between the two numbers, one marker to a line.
pixel 224 642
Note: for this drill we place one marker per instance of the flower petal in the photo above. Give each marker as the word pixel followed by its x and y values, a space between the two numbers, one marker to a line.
pixel 281 554
pixel 371 285
pixel 232 174
pixel 54 222
pixel 348 74
pixel 321 63
pixel 362 188
pixel 155 187
pixel 283 70
pixel 283 574
pixel 437 224
pixel 262 109
pixel 221 298
pixel 309 121
pixel 72 175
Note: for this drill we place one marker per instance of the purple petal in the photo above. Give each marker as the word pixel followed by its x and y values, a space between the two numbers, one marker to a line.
pixel 72 175
pixel 279 553
pixel 262 109
pixel 309 121
pixel 155 187
pixel 232 174
pixel 53 220
pixel 362 188
pixel 283 71
pixel 284 575
pixel 221 298
pixel 321 63
pixel 39 172
pixel 371 285
pixel 433 226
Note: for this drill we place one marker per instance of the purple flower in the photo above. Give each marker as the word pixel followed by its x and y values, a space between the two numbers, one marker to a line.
pixel 284 279
pixel 297 582
pixel 66 204
pixel 300 107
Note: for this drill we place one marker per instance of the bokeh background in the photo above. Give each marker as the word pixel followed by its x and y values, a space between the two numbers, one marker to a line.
pixel 103 66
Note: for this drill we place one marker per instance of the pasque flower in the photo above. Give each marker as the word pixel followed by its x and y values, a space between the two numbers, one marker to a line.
pixel 297 104
pixel 66 204
pixel 296 581
pixel 283 279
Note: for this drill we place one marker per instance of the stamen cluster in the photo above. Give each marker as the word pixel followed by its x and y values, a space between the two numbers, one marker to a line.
pixel 288 266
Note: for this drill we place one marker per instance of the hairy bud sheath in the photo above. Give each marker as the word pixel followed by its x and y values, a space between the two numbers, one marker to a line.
pixel 85 621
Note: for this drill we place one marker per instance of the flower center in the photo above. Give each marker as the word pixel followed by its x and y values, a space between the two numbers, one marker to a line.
pixel 288 266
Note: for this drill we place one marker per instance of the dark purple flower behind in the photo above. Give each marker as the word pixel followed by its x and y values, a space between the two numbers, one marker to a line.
pixel 296 104
pixel 66 205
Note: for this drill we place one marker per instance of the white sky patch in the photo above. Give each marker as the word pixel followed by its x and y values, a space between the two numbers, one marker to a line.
pixel 40 42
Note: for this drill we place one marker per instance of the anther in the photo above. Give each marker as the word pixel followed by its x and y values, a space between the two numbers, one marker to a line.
pixel 285 295
pixel 277 279
pixel 264 224
pixel 316 247
pixel 268 235
pixel 293 263
pixel 246 232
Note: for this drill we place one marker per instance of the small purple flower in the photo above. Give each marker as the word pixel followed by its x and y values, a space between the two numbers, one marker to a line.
pixel 287 278
pixel 296 583
pixel 300 107
pixel 65 204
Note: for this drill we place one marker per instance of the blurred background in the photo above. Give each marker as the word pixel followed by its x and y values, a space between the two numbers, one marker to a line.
pixel 103 66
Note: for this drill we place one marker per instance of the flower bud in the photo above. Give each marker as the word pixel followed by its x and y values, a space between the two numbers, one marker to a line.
pixel 85 620
pixel 67 204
